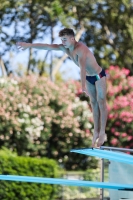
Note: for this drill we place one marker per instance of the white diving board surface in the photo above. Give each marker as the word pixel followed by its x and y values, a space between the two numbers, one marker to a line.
pixel 57 181
pixel 106 154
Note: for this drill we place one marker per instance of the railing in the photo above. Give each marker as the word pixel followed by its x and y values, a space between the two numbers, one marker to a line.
pixel 116 149
pixel 102 164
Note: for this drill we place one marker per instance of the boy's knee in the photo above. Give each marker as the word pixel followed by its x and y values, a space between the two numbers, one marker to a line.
pixel 101 99
pixel 93 101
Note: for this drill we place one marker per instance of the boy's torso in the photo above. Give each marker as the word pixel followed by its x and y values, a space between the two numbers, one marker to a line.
pixel 92 67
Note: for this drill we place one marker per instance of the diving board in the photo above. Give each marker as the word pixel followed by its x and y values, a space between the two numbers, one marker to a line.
pixel 110 155
pixel 57 181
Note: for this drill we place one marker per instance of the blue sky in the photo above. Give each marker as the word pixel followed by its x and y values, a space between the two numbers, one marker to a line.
pixel 68 69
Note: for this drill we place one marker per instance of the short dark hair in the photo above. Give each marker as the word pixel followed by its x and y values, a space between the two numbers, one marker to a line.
pixel 66 31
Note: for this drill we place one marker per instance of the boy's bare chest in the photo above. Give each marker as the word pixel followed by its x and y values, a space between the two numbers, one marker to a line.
pixel 73 56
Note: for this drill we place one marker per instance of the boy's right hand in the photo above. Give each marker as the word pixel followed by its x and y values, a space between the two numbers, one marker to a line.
pixel 22 45
pixel 85 91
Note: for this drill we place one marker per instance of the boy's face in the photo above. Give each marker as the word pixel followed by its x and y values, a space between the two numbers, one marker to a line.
pixel 67 40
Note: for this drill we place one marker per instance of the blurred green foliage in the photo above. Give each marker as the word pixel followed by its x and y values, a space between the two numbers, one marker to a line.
pixel 108 28
pixel 11 164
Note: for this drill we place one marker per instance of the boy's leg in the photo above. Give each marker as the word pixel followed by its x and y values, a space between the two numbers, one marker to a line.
pixel 95 109
pixel 101 98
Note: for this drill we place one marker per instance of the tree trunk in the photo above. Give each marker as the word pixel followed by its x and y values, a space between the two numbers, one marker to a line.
pixel 51 64
pixel 29 61
pixel 42 68
pixel 3 68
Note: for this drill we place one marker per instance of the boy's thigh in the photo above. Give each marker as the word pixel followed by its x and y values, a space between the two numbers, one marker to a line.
pixel 91 90
pixel 101 88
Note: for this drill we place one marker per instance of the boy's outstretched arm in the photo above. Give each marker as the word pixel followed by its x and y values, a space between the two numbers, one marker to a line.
pixel 24 45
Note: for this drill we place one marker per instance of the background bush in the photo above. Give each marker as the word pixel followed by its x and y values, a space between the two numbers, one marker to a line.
pixel 120 106
pixel 25 166
pixel 40 118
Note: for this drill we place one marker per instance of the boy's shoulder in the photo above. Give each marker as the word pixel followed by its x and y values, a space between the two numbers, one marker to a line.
pixel 81 47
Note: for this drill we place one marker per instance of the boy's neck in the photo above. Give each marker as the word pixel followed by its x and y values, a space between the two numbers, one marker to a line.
pixel 72 47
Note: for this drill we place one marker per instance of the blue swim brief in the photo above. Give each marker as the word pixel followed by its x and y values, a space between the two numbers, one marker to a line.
pixel 93 79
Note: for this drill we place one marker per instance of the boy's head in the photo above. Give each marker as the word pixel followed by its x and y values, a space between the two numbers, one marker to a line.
pixel 67 37
pixel 66 31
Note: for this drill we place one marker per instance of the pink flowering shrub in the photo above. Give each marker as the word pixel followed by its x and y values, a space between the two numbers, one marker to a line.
pixel 120 105
pixel 40 118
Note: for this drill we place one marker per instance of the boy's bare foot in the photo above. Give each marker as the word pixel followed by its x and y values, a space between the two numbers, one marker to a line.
pixel 95 137
pixel 101 140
